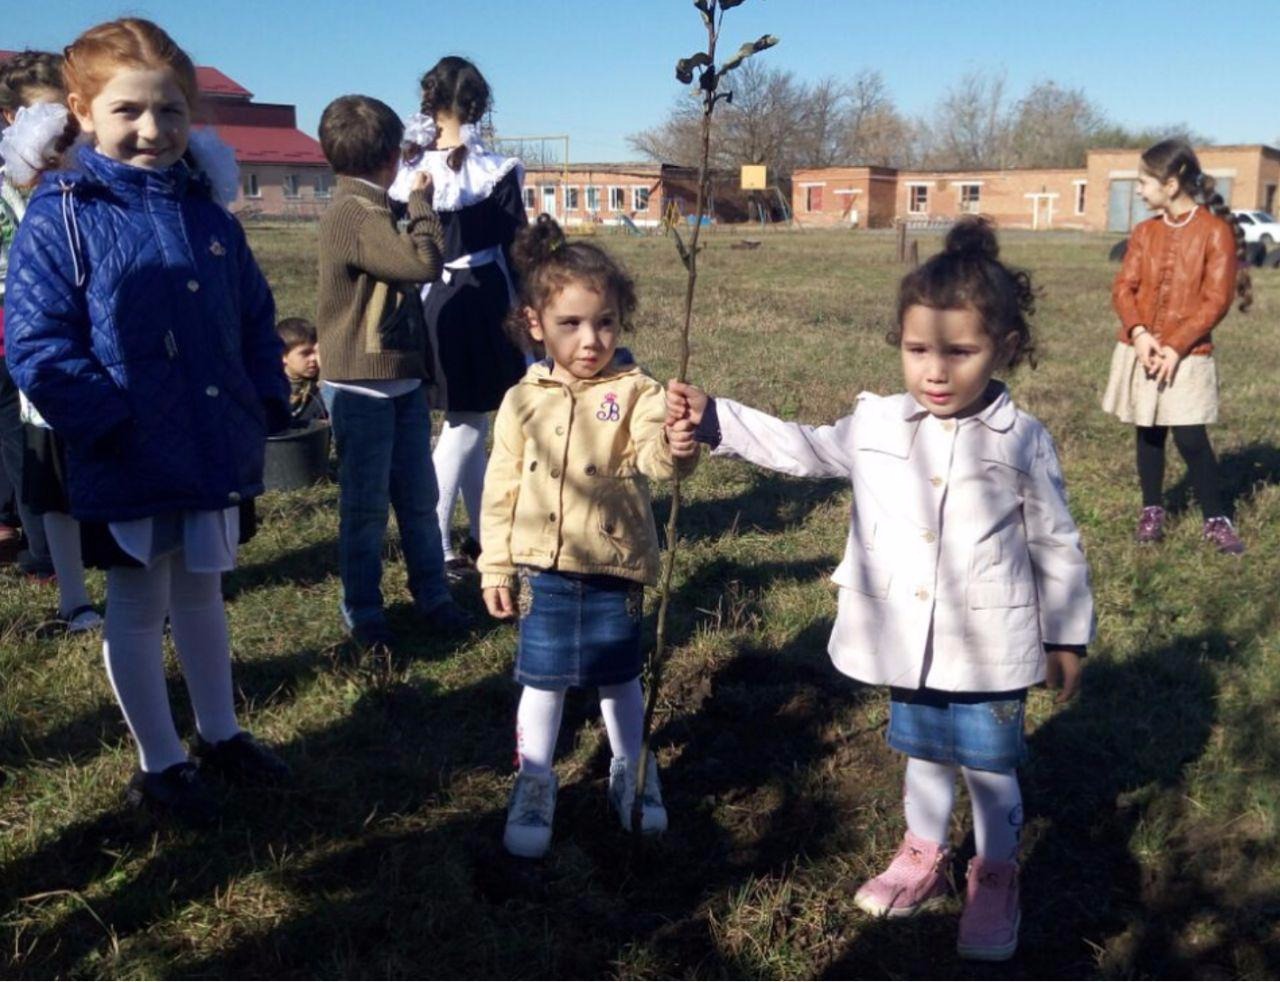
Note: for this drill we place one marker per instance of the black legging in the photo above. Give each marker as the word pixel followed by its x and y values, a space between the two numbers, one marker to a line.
pixel 1193 443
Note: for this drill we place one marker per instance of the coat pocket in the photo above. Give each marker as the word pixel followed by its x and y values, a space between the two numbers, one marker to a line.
pixel 393 321
pixel 985 594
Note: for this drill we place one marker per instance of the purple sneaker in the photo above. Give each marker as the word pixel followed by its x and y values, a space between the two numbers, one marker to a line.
pixel 1222 534
pixel 1150 524
pixel 916 880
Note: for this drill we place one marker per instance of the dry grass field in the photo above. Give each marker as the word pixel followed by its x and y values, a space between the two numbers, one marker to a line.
pixel 1152 800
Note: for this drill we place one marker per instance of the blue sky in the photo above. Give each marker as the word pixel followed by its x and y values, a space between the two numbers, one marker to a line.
pixel 601 69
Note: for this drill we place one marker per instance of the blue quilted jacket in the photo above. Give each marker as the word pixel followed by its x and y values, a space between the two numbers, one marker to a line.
pixel 139 324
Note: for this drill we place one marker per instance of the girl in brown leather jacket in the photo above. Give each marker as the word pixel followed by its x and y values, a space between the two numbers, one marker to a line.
pixel 1180 271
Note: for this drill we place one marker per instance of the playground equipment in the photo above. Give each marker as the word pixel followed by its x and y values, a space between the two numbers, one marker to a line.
pixel 755 179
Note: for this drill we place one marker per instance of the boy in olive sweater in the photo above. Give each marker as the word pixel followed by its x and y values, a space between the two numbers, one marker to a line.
pixel 375 357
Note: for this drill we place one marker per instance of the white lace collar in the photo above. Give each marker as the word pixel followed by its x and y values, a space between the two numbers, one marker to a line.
pixel 453 190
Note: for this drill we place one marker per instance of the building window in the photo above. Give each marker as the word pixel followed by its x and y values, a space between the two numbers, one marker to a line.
pixel 291 185
pixel 918 198
pixel 1080 186
pixel 571 199
pixel 1269 200
pixel 322 186
pixel 530 198
pixel 640 198
pixel 813 197
pixel 251 189
pixel 617 200
pixel 593 198
pixel 970 198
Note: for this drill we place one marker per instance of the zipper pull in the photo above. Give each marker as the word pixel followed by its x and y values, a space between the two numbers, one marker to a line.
pixel 170 344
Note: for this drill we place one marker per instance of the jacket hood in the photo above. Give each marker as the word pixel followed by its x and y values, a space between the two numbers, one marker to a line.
pixel 90 174
pixel 623 363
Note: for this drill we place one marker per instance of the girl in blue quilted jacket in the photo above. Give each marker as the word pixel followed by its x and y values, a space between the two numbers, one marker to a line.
pixel 141 328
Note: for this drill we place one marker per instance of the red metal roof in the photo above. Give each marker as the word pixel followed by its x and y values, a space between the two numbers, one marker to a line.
pixel 272 145
pixel 213 82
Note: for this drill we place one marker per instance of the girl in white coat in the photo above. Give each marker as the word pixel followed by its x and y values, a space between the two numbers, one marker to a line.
pixel 963 580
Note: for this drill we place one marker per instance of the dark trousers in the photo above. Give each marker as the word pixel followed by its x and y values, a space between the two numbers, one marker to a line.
pixel 1202 466
pixel 11 459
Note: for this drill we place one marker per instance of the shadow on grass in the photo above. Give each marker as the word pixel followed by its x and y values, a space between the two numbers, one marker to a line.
pixel 1241 472
pixel 392 836
pixel 772 503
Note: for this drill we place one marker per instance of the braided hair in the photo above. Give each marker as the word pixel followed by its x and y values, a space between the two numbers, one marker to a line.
pixel 1174 159
pixel 454 85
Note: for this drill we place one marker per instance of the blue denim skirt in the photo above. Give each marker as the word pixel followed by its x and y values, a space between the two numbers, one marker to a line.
pixel 577 630
pixel 981 730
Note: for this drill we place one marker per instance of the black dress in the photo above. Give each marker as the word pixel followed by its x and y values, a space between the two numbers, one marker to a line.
pixel 466 308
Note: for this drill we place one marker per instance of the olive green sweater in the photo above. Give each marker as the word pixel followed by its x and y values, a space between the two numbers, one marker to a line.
pixel 369 318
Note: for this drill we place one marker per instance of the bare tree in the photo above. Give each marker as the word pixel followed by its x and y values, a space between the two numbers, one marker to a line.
pixel 1053 127
pixel 970 126
pixel 874 131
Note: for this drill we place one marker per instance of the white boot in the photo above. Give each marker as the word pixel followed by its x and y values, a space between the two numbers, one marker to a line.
pixel 622 795
pixel 530 812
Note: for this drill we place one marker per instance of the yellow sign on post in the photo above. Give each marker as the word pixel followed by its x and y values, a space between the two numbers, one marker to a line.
pixel 754 177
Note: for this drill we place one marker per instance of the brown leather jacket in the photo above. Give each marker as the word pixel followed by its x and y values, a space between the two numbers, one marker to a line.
pixel 1177 281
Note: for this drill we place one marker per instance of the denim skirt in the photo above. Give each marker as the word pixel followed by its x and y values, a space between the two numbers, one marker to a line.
pixel 577 630
pixel 980 730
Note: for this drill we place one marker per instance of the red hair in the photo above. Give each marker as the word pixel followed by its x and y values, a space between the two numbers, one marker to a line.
pixel 131 42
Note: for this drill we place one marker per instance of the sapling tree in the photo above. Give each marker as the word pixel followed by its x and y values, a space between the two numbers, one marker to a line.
pixel 700 67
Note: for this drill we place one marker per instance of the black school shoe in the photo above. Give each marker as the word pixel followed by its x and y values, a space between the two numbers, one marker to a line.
pixel 241 760
pixel 177 792
pixel 447 618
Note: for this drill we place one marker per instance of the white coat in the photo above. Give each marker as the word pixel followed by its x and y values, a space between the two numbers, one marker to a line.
pixel 962 559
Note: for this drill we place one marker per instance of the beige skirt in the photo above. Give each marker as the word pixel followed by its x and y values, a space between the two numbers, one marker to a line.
pixel 1190 399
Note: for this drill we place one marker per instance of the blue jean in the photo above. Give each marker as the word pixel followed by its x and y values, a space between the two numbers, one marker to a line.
pixel 978 730
pixel 384 460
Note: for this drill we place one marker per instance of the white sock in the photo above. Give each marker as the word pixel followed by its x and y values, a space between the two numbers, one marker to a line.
pixel 622 707
pixel 997 813
pixel 929 791
pixel 63 535
pixel 460 462
pixel 132 647
pixel 537 726
pixel 198 619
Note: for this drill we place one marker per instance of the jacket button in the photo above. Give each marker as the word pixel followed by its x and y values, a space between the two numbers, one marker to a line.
pixel 922 594
pixel 193 285
pixel 936 481
pixel 591 470
pixel 559 431
pixel 930 537
pixel 555 472
pixel 234 497
pixel 551 517
pixel 948 425
pixel 608 529
pixel 533 465
pixel 211 392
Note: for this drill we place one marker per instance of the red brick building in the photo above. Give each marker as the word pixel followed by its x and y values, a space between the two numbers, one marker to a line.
pixel 282 170
pixel 1099 196
pixel 605 194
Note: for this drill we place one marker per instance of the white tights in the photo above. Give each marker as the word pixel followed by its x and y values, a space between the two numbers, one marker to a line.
pixel 929 793
pixel 133 648
pixel 63 535
pixel 538 723
pixel 459 462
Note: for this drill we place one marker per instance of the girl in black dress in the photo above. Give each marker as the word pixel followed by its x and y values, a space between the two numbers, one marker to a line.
pixel 477 195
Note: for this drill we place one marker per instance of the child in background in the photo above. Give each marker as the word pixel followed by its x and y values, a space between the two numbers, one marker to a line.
pixel 302 369
pixel 29 146
pixel 28 80
pixel 374 358
pixel 567 516
pixel 478 199
pixel 142 329
pixel 1175 285
pixel 963 580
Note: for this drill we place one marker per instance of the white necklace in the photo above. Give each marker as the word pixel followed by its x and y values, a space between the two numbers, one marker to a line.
pixel 1190 215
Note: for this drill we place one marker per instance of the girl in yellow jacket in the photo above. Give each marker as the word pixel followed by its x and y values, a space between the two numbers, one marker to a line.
pixel 567 531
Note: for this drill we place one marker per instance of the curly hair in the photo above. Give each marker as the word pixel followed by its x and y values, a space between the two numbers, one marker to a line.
pixel 547 262
pixel 25 71
pixel 454 85
pixel 968 273
pixel 1176 160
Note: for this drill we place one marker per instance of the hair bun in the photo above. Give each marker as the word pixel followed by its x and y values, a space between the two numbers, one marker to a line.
pixel 973 236
pixel 536 243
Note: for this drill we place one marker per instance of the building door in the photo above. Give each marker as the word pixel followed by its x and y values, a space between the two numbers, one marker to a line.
pixel 1124 208
pixel 1042 209
pixel 1222 185
pixel 549 199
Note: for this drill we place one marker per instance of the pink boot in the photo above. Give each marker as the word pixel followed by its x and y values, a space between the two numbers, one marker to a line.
pixel 989 924
pixel 913 882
